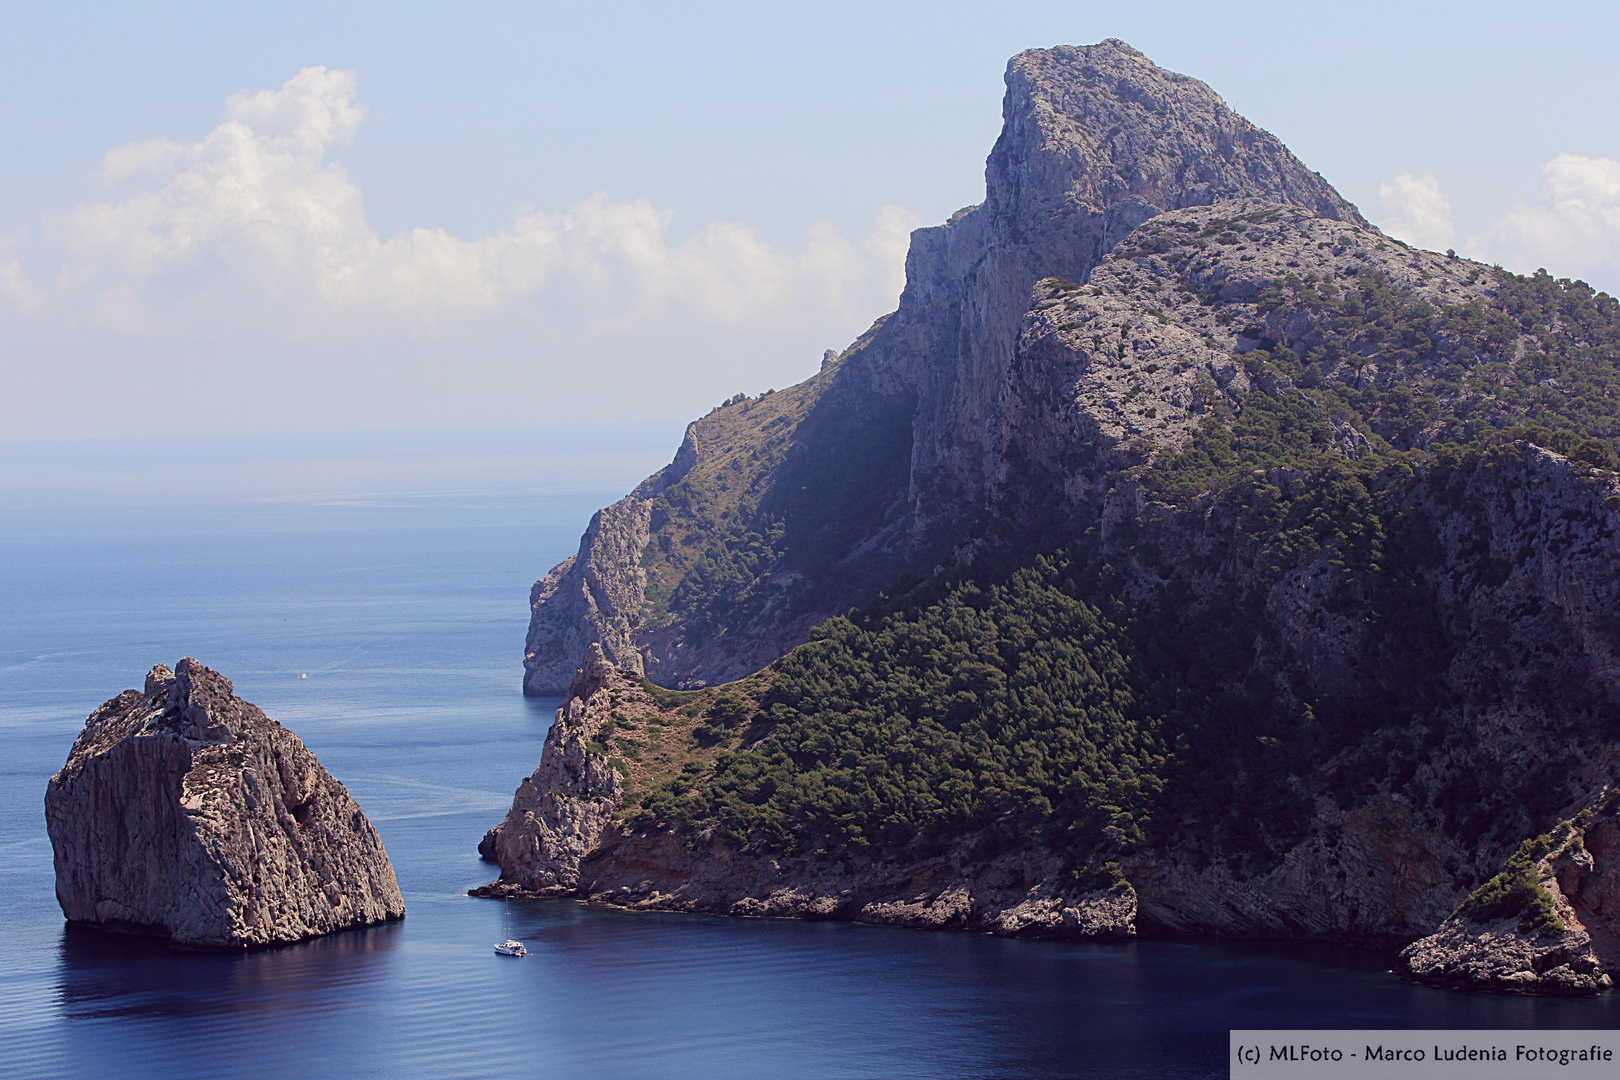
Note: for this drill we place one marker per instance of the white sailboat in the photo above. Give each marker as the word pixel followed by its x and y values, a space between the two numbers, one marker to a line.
pixel 511 946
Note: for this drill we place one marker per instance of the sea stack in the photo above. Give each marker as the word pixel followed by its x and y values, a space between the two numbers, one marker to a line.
pixel 186 813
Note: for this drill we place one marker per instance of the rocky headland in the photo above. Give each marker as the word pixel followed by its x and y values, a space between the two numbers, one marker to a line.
pixel 186 813
pixel 726 558
pixel 1546 924
pixel 572 832
pixel 1182 556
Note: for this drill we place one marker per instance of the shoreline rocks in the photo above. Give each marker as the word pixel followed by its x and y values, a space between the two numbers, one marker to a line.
pixel 185 813
pixel 566 835
pixel 1545 925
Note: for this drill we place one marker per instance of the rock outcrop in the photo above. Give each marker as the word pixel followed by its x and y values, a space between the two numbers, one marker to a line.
pixel 570 833
pixel 1545 925
pixel 905 422
pixel 184 812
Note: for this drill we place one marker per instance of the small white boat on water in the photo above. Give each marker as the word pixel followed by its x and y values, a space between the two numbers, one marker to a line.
pixel 511 946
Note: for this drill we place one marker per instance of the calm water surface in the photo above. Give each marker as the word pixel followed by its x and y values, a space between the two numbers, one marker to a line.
pixel 407 614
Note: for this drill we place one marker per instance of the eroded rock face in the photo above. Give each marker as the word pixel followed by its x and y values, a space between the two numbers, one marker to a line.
pixel 567 835
pixel 1565 946
pixel 595 595
pixel 186 813
pixel 1096 140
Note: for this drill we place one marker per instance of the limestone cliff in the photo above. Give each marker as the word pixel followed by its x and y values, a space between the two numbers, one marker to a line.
pixel 1414 634
pixel 725 560
pixel 185 812
pixel 1248 573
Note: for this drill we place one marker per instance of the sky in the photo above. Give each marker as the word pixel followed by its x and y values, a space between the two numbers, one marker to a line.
pixel 224 219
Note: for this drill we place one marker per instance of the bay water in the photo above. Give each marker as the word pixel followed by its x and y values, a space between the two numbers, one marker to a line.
pixel 370 591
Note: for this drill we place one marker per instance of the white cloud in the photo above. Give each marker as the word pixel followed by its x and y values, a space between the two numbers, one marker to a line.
pixel 255 225
pixel 1417 211
pixel 1575 227
pixel 16 290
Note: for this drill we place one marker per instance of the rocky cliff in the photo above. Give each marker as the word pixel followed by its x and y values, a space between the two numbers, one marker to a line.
pixel 1545 924
pixel 1259 578
pixel 185 812
pixel 724 560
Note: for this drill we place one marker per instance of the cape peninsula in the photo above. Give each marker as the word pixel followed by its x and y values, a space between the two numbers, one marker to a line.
pixel 1183 555
pixel 185 813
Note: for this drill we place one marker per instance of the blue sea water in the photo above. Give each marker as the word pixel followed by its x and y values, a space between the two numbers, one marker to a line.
pixel 393 571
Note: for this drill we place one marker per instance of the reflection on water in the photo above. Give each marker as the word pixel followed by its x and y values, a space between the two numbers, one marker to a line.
pixel 106 975
pixel 610 993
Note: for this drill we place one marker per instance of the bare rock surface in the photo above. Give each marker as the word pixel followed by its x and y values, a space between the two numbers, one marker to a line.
pixel 568 834
pixel 905 422
pixel 1545 925
pixel 185 812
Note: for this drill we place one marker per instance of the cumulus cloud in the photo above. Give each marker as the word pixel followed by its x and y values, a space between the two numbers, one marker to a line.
pixel 256 222
pixel 1417 211
pixel 16 291
pixel 1573 229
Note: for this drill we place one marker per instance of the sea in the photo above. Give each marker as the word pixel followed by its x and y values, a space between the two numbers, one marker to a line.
pixel 370 591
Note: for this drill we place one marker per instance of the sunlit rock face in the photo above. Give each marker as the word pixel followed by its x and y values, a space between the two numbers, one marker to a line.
pixel 781 511
pixel 186 813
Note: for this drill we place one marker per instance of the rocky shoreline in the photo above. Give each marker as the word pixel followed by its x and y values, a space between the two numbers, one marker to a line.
pixel 1545 925
pixel 568 835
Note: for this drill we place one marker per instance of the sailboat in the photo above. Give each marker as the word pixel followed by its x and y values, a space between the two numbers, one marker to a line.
pixel 511 946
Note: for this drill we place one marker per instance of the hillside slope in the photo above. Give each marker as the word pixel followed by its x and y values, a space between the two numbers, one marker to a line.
pixel 1293 612
pixel 1288 606
pixel 780 512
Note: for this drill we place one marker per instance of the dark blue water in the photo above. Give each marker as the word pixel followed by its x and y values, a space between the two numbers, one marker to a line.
pixel 406 609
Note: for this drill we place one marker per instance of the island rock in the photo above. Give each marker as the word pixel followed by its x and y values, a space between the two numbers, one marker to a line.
pixel 187 813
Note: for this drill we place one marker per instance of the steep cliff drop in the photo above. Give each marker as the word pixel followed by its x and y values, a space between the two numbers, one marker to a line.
pixel 186 813
pixel 780 511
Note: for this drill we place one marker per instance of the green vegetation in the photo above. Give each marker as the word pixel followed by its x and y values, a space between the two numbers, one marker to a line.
pixel 1032 698
pixel 1002 712
pixel 783 485
pixel 1517 890
pixel 1407 373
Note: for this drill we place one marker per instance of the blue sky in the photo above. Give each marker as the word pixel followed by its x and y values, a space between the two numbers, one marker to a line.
pixel 219 218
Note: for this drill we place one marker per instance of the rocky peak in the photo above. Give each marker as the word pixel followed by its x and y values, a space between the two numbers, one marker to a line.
pixel 1096 140
pixel 158 681
pixel 1100 128
pixel 204 702
pixel 590 677
pixel 878 465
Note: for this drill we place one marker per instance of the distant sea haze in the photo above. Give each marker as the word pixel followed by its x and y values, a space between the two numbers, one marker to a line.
pixel 405 604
